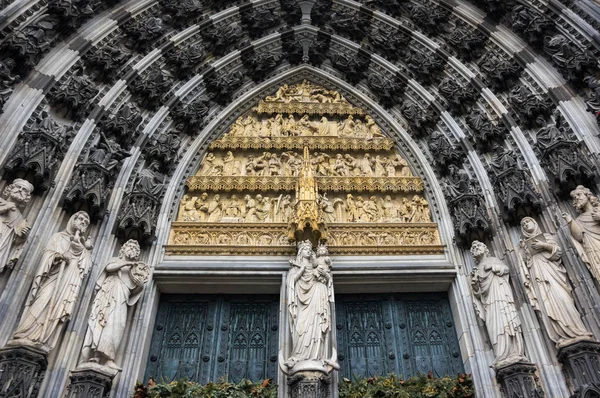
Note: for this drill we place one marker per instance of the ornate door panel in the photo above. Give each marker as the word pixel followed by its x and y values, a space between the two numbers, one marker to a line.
pixel 204 338
pixel 401 334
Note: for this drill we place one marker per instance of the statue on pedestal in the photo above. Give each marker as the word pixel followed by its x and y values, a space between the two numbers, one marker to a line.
pixel 585 229
pixel 495 304
pixel 119 287
pixel 64 264
pixel 13 226
pixel 548 286
pixel 309 304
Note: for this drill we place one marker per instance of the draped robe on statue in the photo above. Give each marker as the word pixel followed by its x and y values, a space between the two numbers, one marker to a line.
pixel 496 306
pixel 117 290
pixel 55 288
pixel 587 241
pixel 550 291
pixel 8 222
pixel 310 312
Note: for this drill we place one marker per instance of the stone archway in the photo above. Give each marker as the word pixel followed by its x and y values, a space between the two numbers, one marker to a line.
pixel 447 78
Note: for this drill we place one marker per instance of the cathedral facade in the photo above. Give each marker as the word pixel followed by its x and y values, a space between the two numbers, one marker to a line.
pixel 301 191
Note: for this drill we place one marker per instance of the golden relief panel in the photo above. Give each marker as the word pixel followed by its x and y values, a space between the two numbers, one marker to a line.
pixel 304 159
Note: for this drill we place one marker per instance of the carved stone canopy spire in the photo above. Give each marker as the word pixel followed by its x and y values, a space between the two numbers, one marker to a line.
pixel 307 221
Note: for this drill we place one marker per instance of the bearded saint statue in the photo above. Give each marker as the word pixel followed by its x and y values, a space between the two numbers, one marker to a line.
pixel 64 264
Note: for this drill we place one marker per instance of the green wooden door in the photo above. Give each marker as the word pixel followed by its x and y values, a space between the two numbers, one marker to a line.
pixel 205 338
pixel 400 334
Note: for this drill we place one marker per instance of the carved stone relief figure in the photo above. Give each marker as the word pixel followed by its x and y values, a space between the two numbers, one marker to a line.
pixel 231 166
pixel 202 206
pixel 14 228
pixel 292 164
pixel 187 209
pixel 284 208
pixel 250 209
pixel 263 208
pixel 340 167
pixel 233 208
pixel 547 285
pixel 585 229
pixel 495 304
pixel 119 287
pixel 211 166
pixel 327 208
pixel 66 260
pixel 215 209
pixel 309 299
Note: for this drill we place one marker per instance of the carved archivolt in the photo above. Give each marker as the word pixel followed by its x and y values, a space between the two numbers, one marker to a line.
pixel 282 168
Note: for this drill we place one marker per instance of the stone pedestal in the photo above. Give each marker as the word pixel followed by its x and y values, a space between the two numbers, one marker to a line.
pixel 309 385
pixel 91 380
pixel 581 362
pixel 519 380
pixel 22 370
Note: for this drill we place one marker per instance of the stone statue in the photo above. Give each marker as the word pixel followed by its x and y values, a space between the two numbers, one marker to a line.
pixel 65 262
pixel 548 286
pixel 13 226
pixel 495 304
pixel 585 229
pixel 309 303
pixel 119 287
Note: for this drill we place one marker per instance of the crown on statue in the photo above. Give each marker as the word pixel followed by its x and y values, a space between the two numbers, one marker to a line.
pixel 304 244
pixel 322 247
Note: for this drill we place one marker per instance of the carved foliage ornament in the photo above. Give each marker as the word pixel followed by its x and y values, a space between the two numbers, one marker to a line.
pixel 388 88
pixel 150 87
pixel 222 85
pixel 389 42
pixel 28 44
pixel 189 117
pixel 485 133
pixel 7 79
pixel 258 20
pixel 353 66
pixel 260 62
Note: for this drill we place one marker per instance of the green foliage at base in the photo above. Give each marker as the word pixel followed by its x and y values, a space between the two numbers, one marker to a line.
pixel 424 386
pixel 223 389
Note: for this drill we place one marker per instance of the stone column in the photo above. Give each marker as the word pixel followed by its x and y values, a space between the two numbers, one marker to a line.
pixel 581 362
pixel 91 380
pixel 519 380
pixel 22 370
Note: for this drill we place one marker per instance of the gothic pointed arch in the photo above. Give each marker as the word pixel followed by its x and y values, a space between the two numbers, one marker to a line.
pixel 110 107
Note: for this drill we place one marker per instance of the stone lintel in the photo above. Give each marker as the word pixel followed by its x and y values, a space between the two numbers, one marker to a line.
pixel 519 380
pixel 22 369
pixel 581 362
pixel 91 380
pixel 309 385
